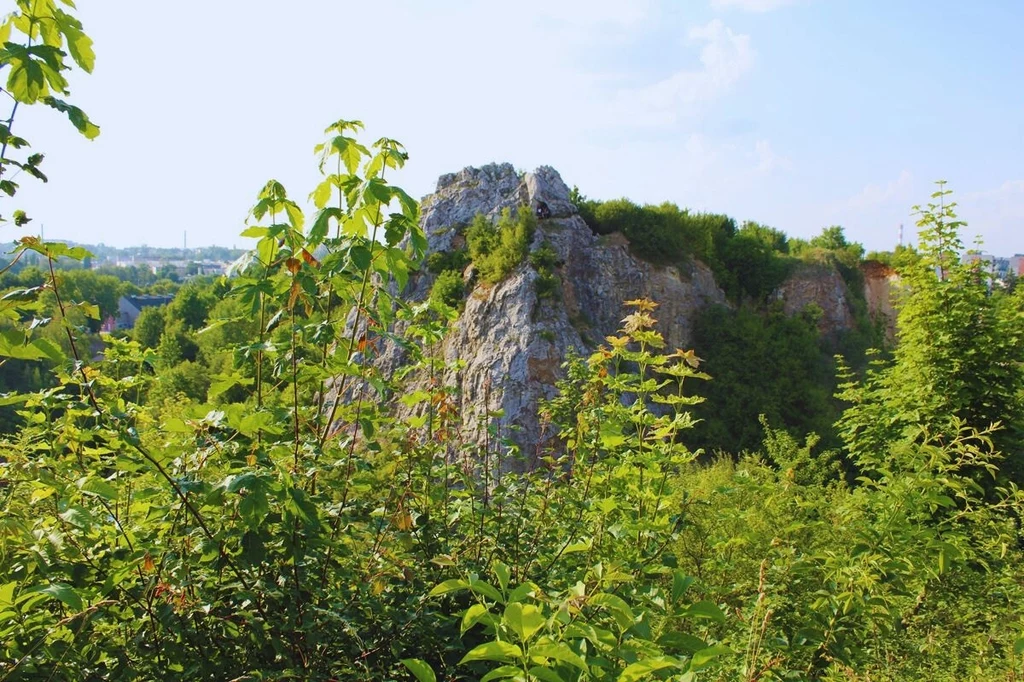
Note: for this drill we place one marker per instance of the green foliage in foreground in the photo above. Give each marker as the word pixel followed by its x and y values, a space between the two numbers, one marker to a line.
pixel 293 524
pixel 290 534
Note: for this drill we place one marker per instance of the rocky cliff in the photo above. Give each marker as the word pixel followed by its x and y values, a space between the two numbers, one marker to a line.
pixel 510 342
pixel 881 284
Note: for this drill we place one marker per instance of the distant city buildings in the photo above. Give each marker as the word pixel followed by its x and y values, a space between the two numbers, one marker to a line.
pixel 129 308
pixel 182 269
pixel 177 264
pixel 1003 269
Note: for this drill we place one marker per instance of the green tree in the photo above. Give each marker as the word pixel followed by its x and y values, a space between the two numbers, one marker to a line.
pixel 191 305
pixel 769 364
pixel 959 359
pixel 448 289
pixel 149 326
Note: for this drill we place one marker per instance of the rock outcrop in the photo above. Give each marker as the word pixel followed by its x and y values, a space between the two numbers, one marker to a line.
pixel 509 343
pixel 880 286
pixel 822 286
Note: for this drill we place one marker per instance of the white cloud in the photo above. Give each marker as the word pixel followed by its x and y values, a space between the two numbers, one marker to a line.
pixel 1008 198
pixel 874 195
pixel 768 160
pixel 751 5
pixel 725 58
pixel 998 214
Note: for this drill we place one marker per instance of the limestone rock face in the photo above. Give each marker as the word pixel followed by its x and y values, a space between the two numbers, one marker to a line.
pixel 511 342
pixel 822 286
pixel 459 197
pixel 881 284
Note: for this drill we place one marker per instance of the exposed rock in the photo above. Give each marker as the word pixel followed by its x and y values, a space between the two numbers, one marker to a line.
pixel 822 286
pixel 546 188
pixel 511 344
pixel 880 285
pixel 459 197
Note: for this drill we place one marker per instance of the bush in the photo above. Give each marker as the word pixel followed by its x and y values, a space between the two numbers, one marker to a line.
pixel 448 289
pixel 439 261
pixel 586 207
pixel 185 379
pixel 497 248
pixel 664 234
pixel 544 260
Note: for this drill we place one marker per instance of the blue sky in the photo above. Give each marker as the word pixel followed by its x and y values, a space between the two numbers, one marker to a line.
pixel 795 113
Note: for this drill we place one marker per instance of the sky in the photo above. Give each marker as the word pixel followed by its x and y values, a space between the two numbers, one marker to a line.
pixel 798 114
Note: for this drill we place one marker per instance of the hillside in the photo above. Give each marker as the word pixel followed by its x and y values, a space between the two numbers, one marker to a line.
pixel 504 352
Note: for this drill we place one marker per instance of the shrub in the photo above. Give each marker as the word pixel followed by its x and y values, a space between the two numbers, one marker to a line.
pixel 543 261
pixel 439 261
pixel 448 289
pixel 497 248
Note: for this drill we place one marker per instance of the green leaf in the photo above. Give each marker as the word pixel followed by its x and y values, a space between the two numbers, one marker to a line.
pixel 78 118
pixel 78 517
pixel 420 669
pixel 680 584
pixel 453 585
pixel 502 672
pixel 611 435
pixel 581 546
pixel 95 485
pixel 545 674
pixel 350 151
pixel 706 609
pixel 253 508
pixel 49 350
pixel 246 481
pixel 473 615
pixel 303 507
pixel 361 256
pixel 502 573
pixel 480 587
pixel 321 195
pixel 79 44
pixel 702 658
pixel 26 82
pixel 620 610
pixel 524 619
pixel 322 223
pixel 1018 647
pixel 63 593
pixel 256 231
pixel 7 593
pixel 559 652
pixel 679 642
pixel 90 310
pixel 642 669
pixel 493 651
pixel 523 591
